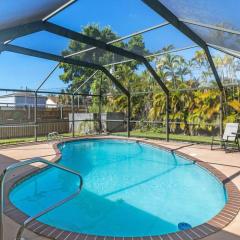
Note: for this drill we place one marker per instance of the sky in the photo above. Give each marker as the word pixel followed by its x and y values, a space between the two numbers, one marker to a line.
pixel 123 16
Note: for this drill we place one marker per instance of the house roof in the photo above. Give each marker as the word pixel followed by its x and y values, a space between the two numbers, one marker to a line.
pixel 21 94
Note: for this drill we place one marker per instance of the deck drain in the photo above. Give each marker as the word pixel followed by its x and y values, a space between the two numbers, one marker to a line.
pixel 184 226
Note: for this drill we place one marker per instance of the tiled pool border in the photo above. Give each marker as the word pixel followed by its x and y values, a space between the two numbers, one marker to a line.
pixel 217 223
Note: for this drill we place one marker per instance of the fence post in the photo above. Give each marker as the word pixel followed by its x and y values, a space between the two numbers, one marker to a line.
pixel 61 111
pixel 128 114
pixel 167 117
pixel 221 114
pixel 73 120
pixel 35 118
pixel 29 112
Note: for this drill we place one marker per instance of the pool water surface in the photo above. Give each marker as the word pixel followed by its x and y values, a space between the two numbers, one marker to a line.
pixel 130 189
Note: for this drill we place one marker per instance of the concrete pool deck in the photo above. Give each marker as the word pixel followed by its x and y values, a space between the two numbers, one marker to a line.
pixel 227 163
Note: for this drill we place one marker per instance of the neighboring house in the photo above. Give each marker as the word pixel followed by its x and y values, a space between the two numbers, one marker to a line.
pixel 52 102
pixel 22 99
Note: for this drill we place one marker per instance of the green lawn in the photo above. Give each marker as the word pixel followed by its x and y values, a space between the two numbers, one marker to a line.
pixel 27 139
pixel 175 137
pixel 17 140
pixel 134 133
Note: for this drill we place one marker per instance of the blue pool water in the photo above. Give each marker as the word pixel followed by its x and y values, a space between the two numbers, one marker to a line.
pixel 130 189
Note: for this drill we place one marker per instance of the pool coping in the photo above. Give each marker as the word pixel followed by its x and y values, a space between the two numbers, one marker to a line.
pixel 217 223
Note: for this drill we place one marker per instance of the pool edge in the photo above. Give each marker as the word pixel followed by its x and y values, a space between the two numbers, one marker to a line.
pixel 217 223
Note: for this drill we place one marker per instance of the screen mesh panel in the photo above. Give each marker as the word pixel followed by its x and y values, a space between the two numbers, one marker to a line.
pixel 100 57
pixel 188 69
pixel 228 67
pixel 52 80
pixel 123 16
pixel 154 40
pixel 223 39
pixel 96 55
pixel 215 12
pixel 43 41
pixel 24 72
pixel 13 13
pixel 58 45
pixel 151 42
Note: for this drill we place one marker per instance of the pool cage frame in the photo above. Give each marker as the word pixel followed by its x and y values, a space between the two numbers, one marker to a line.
pixel 26 29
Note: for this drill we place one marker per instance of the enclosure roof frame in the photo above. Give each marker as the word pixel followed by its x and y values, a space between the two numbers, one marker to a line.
pixel 65 32
pixel 59 30
pixel 157 6
pixel 53 57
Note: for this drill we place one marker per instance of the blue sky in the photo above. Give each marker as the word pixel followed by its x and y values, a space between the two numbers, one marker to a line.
pixel 124 17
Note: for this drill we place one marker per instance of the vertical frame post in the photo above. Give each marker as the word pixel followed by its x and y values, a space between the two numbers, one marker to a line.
pixel 221 114
pixel 100 107
pixel 167 116
pixel 73 120
pixel 35 117
pixel 128 114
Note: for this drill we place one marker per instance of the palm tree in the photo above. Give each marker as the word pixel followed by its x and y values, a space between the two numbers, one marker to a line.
pixel 169 64
pixel 183 68
pixel 202 65
pixel 157 111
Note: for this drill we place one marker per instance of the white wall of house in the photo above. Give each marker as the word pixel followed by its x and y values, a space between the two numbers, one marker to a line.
pixel 30 101
pixel 8 101
pixel 22 101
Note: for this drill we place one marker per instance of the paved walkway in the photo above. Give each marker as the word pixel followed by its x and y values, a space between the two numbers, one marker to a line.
pixel 228 163
pixel 10 155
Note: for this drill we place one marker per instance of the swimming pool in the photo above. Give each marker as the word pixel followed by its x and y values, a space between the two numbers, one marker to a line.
pixel 130 189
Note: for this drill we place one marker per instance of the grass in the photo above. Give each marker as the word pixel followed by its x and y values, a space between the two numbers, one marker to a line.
pixel 16 140
pixel 135 133
pixel 175 137
pixel 27 139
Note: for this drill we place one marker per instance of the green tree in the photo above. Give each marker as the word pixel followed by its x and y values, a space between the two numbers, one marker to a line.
pixel 148 101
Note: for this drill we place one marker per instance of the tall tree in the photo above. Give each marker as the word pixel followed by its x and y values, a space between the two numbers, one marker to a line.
pixel 75 75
